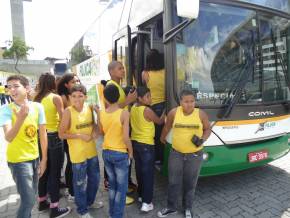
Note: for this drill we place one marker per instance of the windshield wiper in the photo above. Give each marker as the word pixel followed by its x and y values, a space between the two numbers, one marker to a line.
pixel 231 102
pixel 175 30
pixel 277 77
pixel 284 70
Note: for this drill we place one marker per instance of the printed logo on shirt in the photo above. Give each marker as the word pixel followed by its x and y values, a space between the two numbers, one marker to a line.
pixel 30 131
pixel 186 126
pixel 84 125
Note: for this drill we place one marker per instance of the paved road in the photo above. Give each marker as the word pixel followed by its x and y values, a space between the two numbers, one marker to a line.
pixel 260 192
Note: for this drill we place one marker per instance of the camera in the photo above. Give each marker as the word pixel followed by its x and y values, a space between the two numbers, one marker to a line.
pixel 197 141
pixel 129 89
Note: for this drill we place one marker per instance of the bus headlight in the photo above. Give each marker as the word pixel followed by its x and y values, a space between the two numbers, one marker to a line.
pixel 205 156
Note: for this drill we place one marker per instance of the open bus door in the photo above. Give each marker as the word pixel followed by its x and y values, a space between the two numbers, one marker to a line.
pixel 131 48
pixel 122 53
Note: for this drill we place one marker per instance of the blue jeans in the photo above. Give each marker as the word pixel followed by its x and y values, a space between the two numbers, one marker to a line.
pixel 25 176
pixel 144 164
pixel 116 165
pixel 86 179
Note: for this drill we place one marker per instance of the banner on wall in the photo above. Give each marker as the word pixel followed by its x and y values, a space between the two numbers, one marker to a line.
pixel 89 75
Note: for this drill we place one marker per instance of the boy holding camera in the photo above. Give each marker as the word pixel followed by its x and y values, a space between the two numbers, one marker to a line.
pixel 190 128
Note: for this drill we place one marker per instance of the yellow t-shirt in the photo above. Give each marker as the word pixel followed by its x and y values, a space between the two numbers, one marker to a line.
pixel 100 89
pixel 142 130
pixel 51 114
pixel 184 127
pixel 2 89
pixel 113 131
pixel 24 147
pixel 156 84
pixel 81 122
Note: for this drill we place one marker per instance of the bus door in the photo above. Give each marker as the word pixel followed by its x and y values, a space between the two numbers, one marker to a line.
pixel 149 35
pixel 122 53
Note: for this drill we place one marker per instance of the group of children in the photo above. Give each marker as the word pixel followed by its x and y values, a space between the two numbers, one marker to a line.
pixel 128 134
pixel 4 96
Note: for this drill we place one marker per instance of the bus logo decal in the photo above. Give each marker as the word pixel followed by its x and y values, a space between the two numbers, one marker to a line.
pixel 265 125
pixel 261 127
pixel 260 113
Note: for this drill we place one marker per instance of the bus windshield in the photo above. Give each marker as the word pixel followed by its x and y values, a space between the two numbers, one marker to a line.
pixel 214 52
pixel 282 5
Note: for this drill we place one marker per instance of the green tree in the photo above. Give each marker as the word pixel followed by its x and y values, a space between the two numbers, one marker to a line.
pixel 78 55
pixel 18 50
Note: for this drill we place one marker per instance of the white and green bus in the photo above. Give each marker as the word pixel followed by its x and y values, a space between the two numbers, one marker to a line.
pixel 234 54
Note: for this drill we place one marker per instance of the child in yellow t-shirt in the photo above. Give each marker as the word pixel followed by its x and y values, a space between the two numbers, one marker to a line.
pixel 190 128
pixel 142 119
pixel 22 120
pixel 77 126
pixel 117 149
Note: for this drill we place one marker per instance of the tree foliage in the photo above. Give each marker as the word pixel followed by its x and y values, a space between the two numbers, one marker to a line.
pixel 18 50
pixel 78 55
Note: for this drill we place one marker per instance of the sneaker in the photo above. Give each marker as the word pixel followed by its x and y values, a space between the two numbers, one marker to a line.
pixel 147 207
pixel 129 200
pixel 70 198
pixel 165 212
pixel 188 214
pixel 87 215
pixel 58 212
pixel 66 192
pixel 96 205
pixel 140 199
pixel 43 205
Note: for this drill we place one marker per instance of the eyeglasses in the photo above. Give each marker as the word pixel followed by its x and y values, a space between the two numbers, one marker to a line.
pixel 76 81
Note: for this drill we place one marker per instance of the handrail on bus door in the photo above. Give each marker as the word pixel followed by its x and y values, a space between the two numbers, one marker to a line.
pixel 175 30
pixel 116 37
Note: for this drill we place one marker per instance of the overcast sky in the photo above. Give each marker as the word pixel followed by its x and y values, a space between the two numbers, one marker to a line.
pixel 52 27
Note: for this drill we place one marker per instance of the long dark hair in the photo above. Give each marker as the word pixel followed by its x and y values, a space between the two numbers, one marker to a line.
pixel 61 88
pixel 154 60
pixel 46 85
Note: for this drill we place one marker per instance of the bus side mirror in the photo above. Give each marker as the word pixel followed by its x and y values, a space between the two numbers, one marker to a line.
pixel 187 8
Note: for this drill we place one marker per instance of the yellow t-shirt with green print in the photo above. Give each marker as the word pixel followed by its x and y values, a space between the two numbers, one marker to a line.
pixel 24 147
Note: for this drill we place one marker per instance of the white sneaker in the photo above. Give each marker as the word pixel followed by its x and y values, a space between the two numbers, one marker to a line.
pixel 87 215
pixel 70 198
pixel 96 205
pixel 140 199
pixel 147 207
pixel 66 193
pixel 188 214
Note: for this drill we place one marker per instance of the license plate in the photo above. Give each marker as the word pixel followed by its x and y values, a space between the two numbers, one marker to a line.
pixel 257 156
